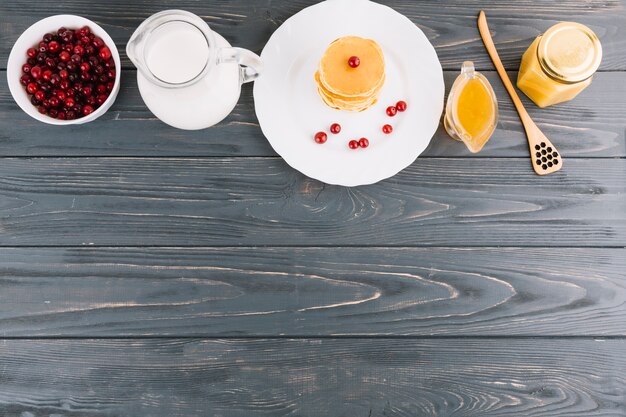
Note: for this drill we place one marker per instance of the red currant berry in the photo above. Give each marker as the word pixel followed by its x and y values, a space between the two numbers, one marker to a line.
pixel 84 66
pixel 64 56
pixel 54 102
pixel 87 110
pixel 35 72
pixel 335 128
pixel 364 143
pixel 354 61
pixel 67 36
pixel 391 111
pixel 63 74
pixel 387 129
pixel 40 95
pixel 32 88
pixel 26 68
pixel 353 144
pixel 401 105
pixel 105 53
pixel 54 47
pixel 61 95
pixel 320 137
pixel 46 75
pixel 25 79
pixel 69 102
pixel 79 50
pixel 31 52
pixel 84 31
pixel 97 43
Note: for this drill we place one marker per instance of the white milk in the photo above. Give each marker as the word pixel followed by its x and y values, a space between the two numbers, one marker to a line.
pixel 176 52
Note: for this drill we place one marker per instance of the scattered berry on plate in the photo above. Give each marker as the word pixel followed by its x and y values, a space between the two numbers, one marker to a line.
pixel 391 111
pixel 335 128
pixel 387 129
pixel 321 137
pixel 401 105
pixel 353 144
pixel 364 143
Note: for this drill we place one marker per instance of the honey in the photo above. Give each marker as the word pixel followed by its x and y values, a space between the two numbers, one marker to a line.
pixel 472 109
pixel 559 64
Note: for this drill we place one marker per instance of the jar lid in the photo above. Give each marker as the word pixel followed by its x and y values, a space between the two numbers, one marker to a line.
pixel 569 52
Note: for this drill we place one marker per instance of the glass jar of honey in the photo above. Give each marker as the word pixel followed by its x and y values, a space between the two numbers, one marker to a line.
pixel 559 64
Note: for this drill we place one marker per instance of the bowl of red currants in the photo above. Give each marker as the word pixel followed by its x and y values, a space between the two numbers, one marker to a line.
pixel 64 70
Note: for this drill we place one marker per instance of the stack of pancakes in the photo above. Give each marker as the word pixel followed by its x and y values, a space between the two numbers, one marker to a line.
pixel 343 87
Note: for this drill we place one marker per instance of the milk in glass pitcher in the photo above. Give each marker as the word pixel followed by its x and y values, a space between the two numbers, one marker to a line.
pixel 189 76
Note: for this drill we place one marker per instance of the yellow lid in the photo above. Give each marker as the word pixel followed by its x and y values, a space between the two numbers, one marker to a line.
pixel 569 52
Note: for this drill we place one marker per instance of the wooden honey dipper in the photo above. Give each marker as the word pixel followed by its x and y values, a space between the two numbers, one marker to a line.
pixel 543 154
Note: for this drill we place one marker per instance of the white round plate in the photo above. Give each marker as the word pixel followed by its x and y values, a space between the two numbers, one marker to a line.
pixel 290 110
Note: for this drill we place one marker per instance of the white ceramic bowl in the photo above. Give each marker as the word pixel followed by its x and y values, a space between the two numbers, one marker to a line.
pixel 31 37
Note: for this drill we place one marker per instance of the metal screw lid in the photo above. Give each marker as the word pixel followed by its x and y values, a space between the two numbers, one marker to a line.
pixel 569 52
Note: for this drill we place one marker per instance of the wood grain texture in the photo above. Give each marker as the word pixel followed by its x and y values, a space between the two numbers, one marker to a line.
pixel 593 125
pixel 88 292
pixel 316 377
pixel 449 25
pixel 260 201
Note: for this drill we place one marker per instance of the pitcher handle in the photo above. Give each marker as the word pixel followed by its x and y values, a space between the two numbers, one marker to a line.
pixel 249 62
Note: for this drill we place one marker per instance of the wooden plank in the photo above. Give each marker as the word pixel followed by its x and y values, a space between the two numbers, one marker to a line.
pixel 314 377
pixel 261 201
pixel 450 25
pixel 209 292
pixel 593 125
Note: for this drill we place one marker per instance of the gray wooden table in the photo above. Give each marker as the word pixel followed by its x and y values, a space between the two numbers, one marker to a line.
pixel 148 271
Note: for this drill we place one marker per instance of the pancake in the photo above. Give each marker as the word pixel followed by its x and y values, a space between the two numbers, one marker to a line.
pixel 343 87
pixel 341 103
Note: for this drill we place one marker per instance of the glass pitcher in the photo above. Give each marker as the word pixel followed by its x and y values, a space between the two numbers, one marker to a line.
pixel 188 76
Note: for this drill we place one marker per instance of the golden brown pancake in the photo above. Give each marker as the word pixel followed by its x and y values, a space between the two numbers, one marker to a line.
pixel 346 88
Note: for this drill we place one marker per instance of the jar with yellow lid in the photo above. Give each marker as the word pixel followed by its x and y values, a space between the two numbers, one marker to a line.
pixel 559 64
